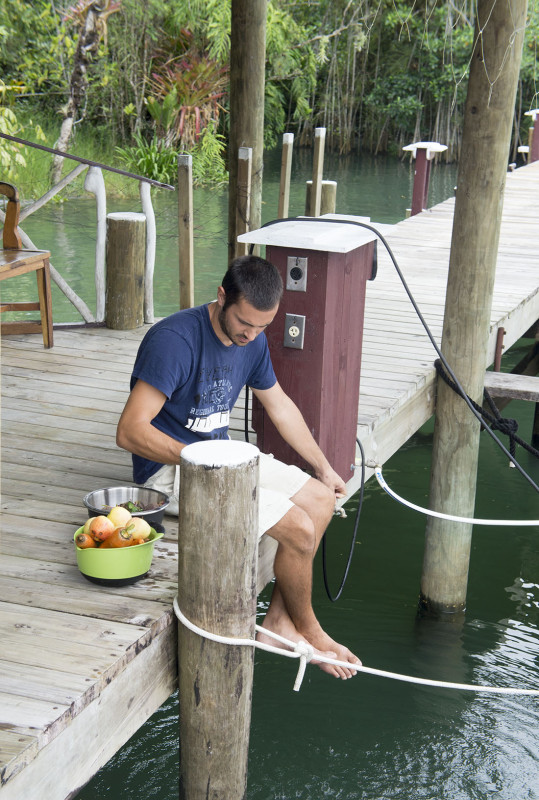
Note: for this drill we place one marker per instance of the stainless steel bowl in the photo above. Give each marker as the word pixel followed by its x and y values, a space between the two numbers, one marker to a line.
pixel 101 501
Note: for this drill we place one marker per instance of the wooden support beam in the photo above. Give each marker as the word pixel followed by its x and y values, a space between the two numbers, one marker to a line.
pixel 247 84
pixel 318 169
pixel 126 259
pixel 185 222
pixel 516 387
pixel 286 171
pixel 243 205
pixel 217 549
pixel 472 268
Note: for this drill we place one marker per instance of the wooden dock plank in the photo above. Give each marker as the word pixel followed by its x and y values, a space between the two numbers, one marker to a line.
pixel 77 658
pixel 518 387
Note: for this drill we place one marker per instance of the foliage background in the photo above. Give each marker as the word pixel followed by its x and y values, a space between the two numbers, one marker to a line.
pixel 377 75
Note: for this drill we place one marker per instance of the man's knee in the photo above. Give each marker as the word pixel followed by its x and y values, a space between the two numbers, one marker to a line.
pixel 297 531
pixel 316 497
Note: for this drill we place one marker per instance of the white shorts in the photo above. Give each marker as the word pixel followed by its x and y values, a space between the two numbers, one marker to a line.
pixel 278 483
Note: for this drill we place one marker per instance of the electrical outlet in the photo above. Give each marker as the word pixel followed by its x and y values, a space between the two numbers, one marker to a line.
pixel 296 274
pixel 294 331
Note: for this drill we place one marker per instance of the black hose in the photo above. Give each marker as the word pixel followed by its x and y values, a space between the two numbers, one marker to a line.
pixel 335 597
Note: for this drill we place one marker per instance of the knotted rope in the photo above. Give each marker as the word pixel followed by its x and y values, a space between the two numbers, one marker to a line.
pixel 305 653
pixel 497 423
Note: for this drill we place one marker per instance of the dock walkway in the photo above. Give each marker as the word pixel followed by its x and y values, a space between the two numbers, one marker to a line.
pixel 83 666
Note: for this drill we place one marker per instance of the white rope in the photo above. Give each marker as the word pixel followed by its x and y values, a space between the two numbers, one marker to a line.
pixel 450 517
pixel 305 653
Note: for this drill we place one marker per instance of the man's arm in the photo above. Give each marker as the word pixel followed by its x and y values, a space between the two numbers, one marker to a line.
pixel 289 421
pixel 135 432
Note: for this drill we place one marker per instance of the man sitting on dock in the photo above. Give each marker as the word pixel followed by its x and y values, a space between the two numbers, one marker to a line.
pixel 189 371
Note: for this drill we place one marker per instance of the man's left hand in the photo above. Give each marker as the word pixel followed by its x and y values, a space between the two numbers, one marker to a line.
pixel 330 478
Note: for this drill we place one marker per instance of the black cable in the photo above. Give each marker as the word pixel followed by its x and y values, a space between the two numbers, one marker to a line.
pixel 509 427
pixel 332 597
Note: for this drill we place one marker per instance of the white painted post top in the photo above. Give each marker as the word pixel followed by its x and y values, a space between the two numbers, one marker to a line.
pixel 532 113
pixel 310 233
pixel 132 216
pixel 288 138
pixel 430 147
pixel 219 453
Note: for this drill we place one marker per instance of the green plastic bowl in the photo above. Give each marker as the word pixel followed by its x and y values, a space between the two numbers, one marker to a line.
pixel 116 566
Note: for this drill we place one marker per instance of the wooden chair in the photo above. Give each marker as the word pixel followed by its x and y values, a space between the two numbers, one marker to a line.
pixel 14 261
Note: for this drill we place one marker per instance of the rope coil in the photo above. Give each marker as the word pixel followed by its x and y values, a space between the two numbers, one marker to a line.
pixel 305 653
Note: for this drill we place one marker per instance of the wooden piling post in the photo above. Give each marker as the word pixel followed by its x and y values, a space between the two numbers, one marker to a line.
pixel 318 169
pixel 126 261
pixel 246 93
pixel 286 171
pixel 328 198
pixel 533 141
pixel 217 550
pixel 243 205
pixel 185 231
pixel 474 249
pixel 423 152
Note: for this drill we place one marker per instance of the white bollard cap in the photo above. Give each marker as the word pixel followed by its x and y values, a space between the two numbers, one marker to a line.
pixel 219 453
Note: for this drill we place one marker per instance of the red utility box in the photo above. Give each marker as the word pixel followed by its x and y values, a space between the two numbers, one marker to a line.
pixel 316 337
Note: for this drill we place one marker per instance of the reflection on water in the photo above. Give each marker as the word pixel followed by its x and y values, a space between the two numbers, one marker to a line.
pixel 366 738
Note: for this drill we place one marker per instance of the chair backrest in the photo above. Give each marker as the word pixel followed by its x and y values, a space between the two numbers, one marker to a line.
pixel 10 236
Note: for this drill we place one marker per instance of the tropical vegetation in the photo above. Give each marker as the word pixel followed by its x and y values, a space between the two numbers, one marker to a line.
pixel 144 79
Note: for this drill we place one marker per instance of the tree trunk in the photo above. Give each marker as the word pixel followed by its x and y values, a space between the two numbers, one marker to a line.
pixel 481 182
pixel 89 38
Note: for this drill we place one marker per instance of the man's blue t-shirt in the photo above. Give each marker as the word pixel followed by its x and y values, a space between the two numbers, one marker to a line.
pixel 183 357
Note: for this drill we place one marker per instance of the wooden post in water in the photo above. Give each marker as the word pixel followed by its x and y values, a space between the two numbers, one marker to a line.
pixel 217 552
pixel 185 232
pixel 286 170
pixel 243 205
pixel 328 198
pixel 533 141
pixel 318 169
pixel 423 152
pixel 247 83
pixel 126 261
pixel 488 119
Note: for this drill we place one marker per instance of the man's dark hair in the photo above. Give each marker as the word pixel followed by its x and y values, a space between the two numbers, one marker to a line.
pixel 256 280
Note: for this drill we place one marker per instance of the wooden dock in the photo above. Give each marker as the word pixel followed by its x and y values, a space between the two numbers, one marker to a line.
pixel 83 666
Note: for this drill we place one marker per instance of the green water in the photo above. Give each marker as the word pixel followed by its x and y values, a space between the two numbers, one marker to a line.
pixel 378 188
pixel 367 738
pixel 375 739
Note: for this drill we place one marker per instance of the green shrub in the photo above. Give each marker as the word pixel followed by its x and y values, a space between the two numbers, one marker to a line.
pixel 152 159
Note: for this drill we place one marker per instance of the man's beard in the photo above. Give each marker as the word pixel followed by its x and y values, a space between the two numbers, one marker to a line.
pixel 222 322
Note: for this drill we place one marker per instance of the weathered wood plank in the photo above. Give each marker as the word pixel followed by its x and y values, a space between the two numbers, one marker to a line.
pixel 56 769
pixel 507 384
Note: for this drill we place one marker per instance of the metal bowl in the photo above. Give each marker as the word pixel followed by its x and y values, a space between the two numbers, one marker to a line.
pixel 119 566
pixel 101 501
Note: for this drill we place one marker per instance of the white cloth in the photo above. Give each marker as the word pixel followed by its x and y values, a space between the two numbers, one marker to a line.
pixel 278 483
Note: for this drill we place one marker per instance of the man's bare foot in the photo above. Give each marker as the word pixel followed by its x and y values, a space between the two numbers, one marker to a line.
pixel 322 642
pixel 286 628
